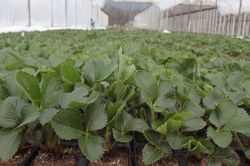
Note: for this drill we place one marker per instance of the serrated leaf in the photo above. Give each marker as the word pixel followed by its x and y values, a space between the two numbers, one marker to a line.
pixel 114 110
pixel 153 137
pixel 50 88
pixel 136 124
pixel 91 146
pixel 67 124
pixel 149 87
pixel 69 73
pixel 151 154
pixel 97 70
pixel 121 137
pixel 174 140
pixel 9 143
pixel 125 122
pixel 225 111
pixel 195 109
pixel 30 85
pixel 218 79
pixel 77 98
pixel 235 79
pixel 173 123
pixel 95 117
pixel 47 115
pixel 239 123
pixel 16 113
pixel 126 70
pixel 195 124
pixel 221 138
pixel 214 97
pixel 226 156
pixel 197 146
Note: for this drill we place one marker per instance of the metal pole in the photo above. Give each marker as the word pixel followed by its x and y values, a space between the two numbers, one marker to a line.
pixel 52 14
pixel 199 18
pixel 29 14
pixel 239 19
pixel 216 17
pixel 66 12
pixel 188 19
pixel 75 13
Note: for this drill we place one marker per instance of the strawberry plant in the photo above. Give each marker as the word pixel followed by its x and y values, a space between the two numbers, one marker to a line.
pixel 178 91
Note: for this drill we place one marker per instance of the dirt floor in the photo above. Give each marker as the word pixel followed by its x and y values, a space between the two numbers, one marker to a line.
pixel 116 157
pixel 162 162
pixel 47 159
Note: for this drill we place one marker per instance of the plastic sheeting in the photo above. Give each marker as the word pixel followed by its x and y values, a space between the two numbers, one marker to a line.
pixel 50 14
pixel 225 6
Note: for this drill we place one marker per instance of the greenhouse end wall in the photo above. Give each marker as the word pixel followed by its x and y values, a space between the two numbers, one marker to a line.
pixel 18 15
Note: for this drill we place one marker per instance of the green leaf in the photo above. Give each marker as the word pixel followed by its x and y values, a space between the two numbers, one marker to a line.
pixel 67 124
pixel 16 113
pixel 218 79
pixel 91 146
pixel 239 123
pixel 78 98
pixel 125 122
pixel 195 124
pixel 214 97
pixel 247 153
pixel 149 87
pixel 195 109
pixel 136 124
pixel 121 137
pixel 221 138
pixel 95 117
pixel 126 70
pixel 173 123
pixel 96 70
pixel 175 140
pixel 235 79
pixel 3 92
pixel 153 137
pixel 114 110
pixel 69 73
pixel 151 154
pixel 30 85
pixel 197 146
pixel 50 88
pixel 47 115
pixel 9 143
pixel 226 110
pixel 226 156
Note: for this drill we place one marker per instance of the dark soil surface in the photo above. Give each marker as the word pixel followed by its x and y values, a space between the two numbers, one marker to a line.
pixel 18 159
pixel 116 157
pixel 49 159
pixel 162 162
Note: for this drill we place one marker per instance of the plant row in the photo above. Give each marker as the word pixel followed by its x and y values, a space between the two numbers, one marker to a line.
pixel 99 91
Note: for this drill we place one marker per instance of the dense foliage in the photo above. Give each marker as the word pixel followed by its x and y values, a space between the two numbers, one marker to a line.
pixel 181 91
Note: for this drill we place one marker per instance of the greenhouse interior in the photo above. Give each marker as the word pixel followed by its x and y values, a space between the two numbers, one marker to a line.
pixel 124 82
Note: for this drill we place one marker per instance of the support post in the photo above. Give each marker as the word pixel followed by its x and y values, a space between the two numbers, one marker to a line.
pixel 239 20
pixel 29 14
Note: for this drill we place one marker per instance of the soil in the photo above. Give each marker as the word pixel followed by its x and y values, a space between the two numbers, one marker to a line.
pixel 162 162
pixel 49 159
pixel 116 157
pixel 18 159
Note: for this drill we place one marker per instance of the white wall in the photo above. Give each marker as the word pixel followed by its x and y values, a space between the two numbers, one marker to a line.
pixel 149 18
pixel 50 14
